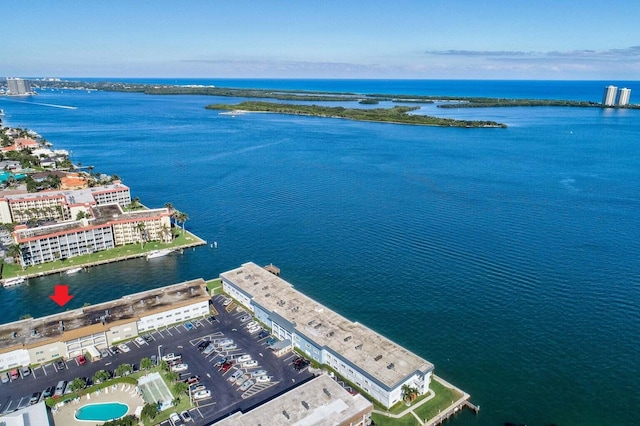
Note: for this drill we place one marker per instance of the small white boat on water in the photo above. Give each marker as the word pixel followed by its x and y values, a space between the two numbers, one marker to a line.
pixel 13 281
pixel 158 253
pixel 73 270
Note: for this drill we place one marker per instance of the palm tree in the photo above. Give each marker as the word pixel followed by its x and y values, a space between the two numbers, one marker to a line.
pixel 15 251
pixel 166 233
pixel 141 229
pixel 182 217
pixel 168 206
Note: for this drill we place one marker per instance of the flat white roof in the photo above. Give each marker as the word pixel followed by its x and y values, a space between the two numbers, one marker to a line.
pixel 373 353
pixel 319 402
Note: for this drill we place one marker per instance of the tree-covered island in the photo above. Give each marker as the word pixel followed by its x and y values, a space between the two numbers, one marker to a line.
pixel 396 115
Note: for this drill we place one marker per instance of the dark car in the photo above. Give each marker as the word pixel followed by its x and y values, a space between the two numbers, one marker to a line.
pixel 60 365
pixel 47 392
pixel 220 362
pixel 263 334
pixel 114 350
pixel 203 345
pixel 193 380
pixel 154 359
pixel 147 338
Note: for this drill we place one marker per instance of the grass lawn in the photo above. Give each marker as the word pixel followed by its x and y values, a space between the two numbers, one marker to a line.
pixel 215 285
pixel 440 402
pixel 13 270
pixel 428 410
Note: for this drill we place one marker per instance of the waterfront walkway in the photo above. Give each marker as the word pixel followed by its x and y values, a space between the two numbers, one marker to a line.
pixel 455 406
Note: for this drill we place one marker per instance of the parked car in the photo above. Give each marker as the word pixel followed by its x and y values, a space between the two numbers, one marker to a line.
pixel 139 340
pixel 226 366
pixel 81 360
pixel 225 342
pixel 227 302
pixel 14 374
pixel 246 385
pixel 259 373
pixel 171 357
pixel 35 397
pixel 174 418
pixel 25 371
pixel 240 380
pixel 208 349
pixel 235 375
pixel 251 324
pixel 67 389
pixel 271 341
pixel 186 417
pixel 255 329
pixel 263 379
pixel 123 347
pixel 179 368
pixel 59 389
pixel 202 345
pixel 198 388
pixel 114 350
pixel 147 338
pixel 104 353
pixel 202 394
pixel 249 364
pixel 263 334
pixel 193 380
pixel 60 365
pixel 5 378
pixel 47 392
pixel 154 359
pixel 220 362
pixel 243 358
pixel 245 318
pixel 230 347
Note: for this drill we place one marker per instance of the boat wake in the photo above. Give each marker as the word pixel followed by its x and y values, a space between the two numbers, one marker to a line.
pixel 43 104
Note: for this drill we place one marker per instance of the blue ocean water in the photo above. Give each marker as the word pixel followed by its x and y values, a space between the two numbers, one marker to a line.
pixel 507 257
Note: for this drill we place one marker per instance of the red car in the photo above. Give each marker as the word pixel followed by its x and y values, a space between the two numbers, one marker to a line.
pixel 81 359
pixel 226 366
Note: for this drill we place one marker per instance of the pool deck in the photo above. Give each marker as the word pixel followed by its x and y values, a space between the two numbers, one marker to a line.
pixel 127 394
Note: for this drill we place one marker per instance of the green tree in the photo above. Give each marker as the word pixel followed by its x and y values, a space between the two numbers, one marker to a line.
pixel 164 365
pixel 101 376
pixel 15 251
pixel 149 412
pixel 181 217
pixel 124 370
pixel 146 363
pixel 180 388
pixel 77 384
pixel 172 376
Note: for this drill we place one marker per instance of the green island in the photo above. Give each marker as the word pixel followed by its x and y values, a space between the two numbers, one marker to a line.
pixel 396 115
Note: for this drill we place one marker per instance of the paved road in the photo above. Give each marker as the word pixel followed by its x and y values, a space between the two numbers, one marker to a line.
pixel 227 398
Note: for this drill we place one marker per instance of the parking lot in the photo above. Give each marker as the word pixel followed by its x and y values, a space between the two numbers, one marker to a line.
pixel 238 369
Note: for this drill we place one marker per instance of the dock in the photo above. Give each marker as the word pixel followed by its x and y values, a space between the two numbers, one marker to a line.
pixel 273 269
pixel 454 408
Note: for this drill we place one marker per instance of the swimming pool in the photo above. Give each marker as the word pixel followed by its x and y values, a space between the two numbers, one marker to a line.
pixel 102 412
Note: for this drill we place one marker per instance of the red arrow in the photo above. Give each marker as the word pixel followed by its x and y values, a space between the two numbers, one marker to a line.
pixel 61 294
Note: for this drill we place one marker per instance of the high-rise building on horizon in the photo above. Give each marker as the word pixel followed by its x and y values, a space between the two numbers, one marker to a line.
pixel 624 95
pixel 18 87
pixel 609 97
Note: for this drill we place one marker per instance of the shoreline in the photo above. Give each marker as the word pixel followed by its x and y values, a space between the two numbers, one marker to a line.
pixel 33 272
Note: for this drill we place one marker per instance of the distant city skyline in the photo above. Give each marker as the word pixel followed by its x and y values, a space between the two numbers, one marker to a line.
pixel 278 39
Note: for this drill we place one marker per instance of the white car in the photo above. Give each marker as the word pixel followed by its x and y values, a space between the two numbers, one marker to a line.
pixel 243 358
pixel 252 363
pixel 140 341
pixel 123 347
pixel 171 357
pixel 255 329
pixel 263 379
pixel 202 394
pixel 240 380
pixel 251 324
pixel 175 419
pixel 259 373
pixel 235 375
pixel 225 342
pixel 230 347
pixel 246 385
pixel 180 367
pixel 227 302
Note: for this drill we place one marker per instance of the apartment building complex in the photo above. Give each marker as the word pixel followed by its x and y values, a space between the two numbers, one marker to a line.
pixel 374 363
pixel 71 333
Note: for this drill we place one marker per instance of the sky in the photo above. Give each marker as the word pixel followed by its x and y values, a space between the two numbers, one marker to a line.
pixel 398 39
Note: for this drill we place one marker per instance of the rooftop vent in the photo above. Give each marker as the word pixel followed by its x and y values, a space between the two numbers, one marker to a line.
pixel 14 335
pixel 311 322
pixel 193 290
pixel 378 357
pixel 391 366
pixel 305 405
pixel 317 326
pixel 34 332
pixel 265 287
pixel 267 295
pixel 346 339
pixel 359 347
pixel 326 392
pixel 284 413
pixel 255 283
pixel 330 334
pixel 141 302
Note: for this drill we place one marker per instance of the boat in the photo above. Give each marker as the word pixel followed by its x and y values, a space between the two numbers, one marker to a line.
pixel 13 281
pixel 158 253
pixel 73 270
